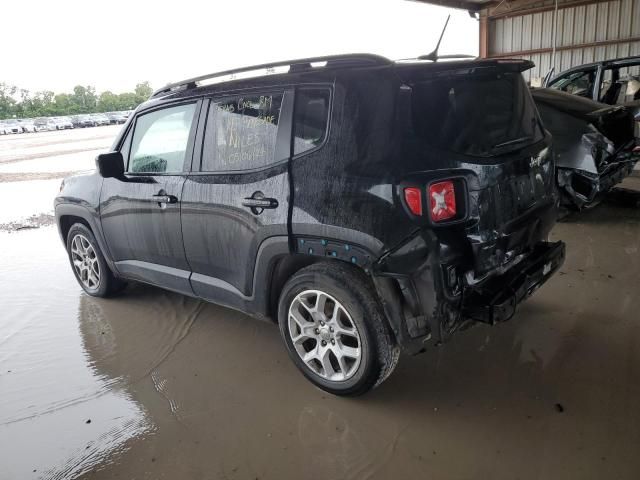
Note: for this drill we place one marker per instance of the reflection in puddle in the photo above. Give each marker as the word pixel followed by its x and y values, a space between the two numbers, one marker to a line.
pixel 178 388
pixel 59 416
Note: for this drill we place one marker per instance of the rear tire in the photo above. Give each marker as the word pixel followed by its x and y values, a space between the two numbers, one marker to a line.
pixel 88 263
pixel 335 330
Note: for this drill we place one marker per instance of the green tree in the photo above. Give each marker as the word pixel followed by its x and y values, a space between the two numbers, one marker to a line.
pixel 21 103
pixel 108 102
pixel 84 99
pixel 63 104
pixel 128 101
pixel 143 91
pixel 7 102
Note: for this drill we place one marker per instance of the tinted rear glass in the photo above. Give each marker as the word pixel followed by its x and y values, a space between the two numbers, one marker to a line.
pixel 310 119
pixel 480 115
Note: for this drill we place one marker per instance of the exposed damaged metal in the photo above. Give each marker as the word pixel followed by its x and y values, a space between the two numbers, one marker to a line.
pixel 595 145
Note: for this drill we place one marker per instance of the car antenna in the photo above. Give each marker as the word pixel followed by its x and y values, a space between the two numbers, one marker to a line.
pixel 433 56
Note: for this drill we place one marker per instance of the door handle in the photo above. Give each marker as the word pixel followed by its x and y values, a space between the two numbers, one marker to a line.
pixel 258 202
pixel 163 198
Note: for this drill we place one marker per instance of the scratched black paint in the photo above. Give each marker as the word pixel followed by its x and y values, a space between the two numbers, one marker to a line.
pixel 343 196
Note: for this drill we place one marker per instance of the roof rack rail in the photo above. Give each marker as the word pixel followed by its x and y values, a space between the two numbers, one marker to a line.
pixel 354 60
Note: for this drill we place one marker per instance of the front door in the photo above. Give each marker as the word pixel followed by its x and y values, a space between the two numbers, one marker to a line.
pixel 140 213
pixel 238 193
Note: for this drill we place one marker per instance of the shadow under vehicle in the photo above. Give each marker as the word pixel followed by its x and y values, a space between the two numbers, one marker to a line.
pixel 595 145
pixel 367 205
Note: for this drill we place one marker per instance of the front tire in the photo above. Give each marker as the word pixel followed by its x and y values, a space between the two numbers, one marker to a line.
pixel 88 263
pixel 335 330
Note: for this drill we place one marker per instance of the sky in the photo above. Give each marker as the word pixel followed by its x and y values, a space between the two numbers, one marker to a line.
pixel 115 44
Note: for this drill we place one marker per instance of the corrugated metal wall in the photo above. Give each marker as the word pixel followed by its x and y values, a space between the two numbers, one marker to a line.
pixel 608 21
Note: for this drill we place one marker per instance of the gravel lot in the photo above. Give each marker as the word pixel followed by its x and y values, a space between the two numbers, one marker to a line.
pixel 32 165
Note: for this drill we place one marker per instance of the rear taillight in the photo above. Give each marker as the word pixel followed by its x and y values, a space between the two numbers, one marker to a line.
pixel 413 197
pixel 442 201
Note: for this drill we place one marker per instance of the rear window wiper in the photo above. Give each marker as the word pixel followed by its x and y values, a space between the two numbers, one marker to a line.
pixel 515 141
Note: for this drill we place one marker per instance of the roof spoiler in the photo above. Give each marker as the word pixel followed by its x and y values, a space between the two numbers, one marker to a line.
pixel 357 60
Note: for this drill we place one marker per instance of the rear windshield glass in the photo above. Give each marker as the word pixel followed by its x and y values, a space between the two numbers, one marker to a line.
pixel 482 115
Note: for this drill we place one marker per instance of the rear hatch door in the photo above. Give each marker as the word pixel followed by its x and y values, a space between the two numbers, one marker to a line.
pixel 481 124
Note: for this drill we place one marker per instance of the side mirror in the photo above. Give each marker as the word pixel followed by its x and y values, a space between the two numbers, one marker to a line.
pixel 110 165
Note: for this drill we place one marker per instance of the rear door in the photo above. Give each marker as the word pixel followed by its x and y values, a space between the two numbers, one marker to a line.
pixel 237 196
pixel 140 213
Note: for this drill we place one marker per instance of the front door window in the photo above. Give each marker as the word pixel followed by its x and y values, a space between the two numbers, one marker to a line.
pixel 577 83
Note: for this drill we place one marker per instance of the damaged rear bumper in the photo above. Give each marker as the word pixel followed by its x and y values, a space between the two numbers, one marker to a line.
pixel 496 299
pixel 582 188
pixel 428 306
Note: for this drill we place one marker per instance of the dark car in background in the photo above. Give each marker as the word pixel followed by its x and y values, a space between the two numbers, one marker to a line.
pixel 365 205
pixel 614 82
pixel 82 121
pixel 116 118
pixel 100 119
pixel 594 143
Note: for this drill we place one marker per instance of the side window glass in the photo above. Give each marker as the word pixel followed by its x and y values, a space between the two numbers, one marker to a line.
pixel 578 83
pixel 630 79
pixel 160 140
pixel 126 147
pixel 241 133
pixel 610 86
pixel 310 119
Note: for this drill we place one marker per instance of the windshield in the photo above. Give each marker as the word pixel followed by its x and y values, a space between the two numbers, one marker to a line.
pixel 481 115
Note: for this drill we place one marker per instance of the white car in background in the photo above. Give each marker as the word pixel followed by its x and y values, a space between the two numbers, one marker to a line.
pixel 27 126
pixel 44 124
pixel 12 126
pixel 62 123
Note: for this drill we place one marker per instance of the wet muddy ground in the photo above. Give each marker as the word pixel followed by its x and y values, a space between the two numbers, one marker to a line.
pixel 33 165
pixel 156 385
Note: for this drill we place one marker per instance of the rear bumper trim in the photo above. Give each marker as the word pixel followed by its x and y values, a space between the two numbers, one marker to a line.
pixel 497 299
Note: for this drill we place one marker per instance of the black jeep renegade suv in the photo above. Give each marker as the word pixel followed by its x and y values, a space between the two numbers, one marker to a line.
pixel 367 205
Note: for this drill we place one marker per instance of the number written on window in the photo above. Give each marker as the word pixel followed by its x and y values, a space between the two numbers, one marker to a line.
pixel 241 133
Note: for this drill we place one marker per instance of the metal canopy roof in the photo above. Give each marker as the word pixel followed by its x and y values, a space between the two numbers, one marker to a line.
pixel 471 5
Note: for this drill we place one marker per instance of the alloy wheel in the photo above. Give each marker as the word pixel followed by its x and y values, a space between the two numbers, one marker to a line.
pixel 85 262
pixel 324 335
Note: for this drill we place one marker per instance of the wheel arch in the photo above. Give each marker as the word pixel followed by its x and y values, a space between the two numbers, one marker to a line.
pixel 287 266
pixel 65 222
pixel 68 214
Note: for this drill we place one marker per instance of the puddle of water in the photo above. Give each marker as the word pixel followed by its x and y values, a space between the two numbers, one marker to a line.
pixel 58 415
pixel 179 388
